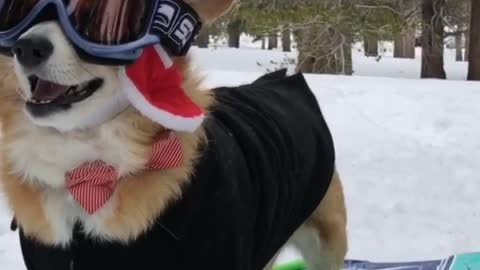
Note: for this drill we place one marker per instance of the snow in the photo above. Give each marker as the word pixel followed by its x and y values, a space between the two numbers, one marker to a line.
pixel 408 151
pixel 250 59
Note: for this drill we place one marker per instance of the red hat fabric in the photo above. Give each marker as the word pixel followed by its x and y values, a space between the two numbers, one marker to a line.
pixel 153 85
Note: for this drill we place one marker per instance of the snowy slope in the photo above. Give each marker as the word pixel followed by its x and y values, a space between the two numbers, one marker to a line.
pixel 408 151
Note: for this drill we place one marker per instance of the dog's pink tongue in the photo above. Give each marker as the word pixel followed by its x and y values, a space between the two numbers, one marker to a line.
pixel 46 90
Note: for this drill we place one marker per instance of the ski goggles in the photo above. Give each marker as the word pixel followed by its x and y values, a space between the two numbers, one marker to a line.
pixel 115 30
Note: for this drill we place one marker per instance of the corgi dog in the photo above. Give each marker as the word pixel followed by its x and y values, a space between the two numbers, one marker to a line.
pixel 258 174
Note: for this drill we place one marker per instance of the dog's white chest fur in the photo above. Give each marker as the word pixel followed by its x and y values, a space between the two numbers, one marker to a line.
pixel 44 156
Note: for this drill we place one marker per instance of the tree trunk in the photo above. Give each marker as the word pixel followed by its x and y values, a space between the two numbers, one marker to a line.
pixel 346 39
pixel 287 39
pixel 326 49
pixel 467 31
pixel 325 52
pixel 234 32
pixel 474 56
pixel 404 44
pixel 305 58
pixel 313 55
pixel 432 39
pixel 203 39
pixel 264 43
pixel 371 46
pixel 344 55
pixel 272 41
pixel 467 44
pixel 459 47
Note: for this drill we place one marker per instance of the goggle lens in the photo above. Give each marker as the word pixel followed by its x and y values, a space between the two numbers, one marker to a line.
pixel 12 12
pixel 109 22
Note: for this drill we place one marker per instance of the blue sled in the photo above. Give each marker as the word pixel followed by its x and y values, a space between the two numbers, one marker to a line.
pixel 470 261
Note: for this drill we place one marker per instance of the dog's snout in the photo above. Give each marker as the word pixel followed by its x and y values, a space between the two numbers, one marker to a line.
pixel 33 51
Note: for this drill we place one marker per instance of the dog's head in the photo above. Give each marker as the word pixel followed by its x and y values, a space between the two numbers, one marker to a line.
pixel 62 91
pixel 59 89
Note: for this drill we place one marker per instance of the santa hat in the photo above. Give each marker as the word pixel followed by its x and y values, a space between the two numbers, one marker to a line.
pixel 153 85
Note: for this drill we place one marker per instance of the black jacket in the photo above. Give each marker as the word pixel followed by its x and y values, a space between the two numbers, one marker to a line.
pixel 267 165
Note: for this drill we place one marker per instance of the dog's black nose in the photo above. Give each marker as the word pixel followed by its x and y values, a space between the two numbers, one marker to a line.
pixel 31 52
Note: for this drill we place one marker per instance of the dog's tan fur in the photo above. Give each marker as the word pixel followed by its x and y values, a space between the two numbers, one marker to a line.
pixel 329 221
pixel 139 199
pixel 25 199
pixel 212 9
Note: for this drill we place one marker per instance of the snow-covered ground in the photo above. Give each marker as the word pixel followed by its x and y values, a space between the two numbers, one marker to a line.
pixel 249 58
pixel 408 151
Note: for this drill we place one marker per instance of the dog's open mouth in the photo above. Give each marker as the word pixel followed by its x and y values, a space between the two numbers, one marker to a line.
pixel 49 93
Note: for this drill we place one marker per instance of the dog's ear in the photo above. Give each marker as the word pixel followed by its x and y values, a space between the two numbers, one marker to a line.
pixel 209 10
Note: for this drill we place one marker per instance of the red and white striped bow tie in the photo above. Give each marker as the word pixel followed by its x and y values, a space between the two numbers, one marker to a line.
pixel 93 183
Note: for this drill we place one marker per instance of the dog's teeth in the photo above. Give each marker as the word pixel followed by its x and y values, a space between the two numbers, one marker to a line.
pixel 34 101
